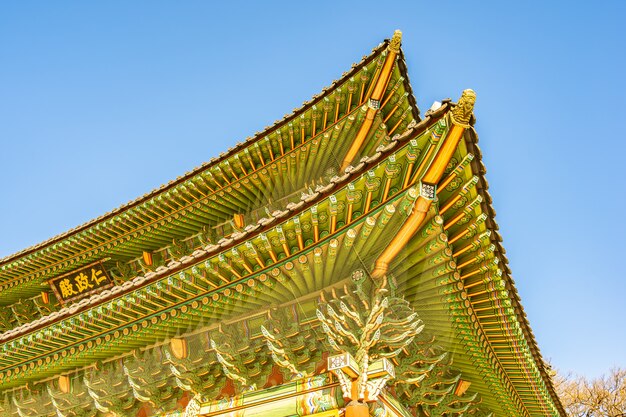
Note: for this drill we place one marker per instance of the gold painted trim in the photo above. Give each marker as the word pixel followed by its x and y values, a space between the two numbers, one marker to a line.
pixel 379 89
pixel 270 400
pixel 400 240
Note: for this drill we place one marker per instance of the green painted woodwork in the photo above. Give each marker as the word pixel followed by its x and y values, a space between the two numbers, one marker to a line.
pixel 260 172
pixel 196 279
pixel 248 301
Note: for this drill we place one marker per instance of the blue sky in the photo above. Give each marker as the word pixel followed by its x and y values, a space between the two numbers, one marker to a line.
pixel 102 102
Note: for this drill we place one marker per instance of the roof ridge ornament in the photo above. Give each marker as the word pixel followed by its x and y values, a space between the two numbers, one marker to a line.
pixel 462 112
pixel 396 40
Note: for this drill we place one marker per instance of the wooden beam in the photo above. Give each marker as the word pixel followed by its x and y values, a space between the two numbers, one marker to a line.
pixel 373 105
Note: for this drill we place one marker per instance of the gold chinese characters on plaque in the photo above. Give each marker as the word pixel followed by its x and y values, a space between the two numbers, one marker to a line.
pixel 81 283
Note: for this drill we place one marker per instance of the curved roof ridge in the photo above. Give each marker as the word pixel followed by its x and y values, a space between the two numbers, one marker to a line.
pixel 326 91
pixel 360 167
pixel 471 139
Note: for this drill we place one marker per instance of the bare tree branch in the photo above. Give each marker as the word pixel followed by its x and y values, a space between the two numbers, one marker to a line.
pixel 601 397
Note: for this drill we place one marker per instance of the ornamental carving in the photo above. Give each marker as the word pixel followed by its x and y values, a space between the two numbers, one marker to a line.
pixel 291 346
pixel 108 389
pixel 462 112
pixel 200 371
pixel 366 325
pixel 396 40
pixel 150 381
pixel 236 354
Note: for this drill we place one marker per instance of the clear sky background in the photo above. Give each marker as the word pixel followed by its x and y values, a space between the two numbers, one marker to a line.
pixel 101 102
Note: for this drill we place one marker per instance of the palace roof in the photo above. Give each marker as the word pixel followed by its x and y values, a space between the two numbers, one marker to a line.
pixel 152 220
pixel 451 270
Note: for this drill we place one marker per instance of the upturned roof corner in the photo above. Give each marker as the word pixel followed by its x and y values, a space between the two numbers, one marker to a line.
pixel 349 247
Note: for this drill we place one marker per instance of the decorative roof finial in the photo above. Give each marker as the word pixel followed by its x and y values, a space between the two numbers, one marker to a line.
pixel 462 112
pixel 396 40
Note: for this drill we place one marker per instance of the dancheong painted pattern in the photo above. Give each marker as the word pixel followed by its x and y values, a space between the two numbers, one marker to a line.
pixel 344 261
